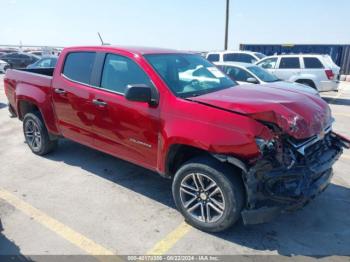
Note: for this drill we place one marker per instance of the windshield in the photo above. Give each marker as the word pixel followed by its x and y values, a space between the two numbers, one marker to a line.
pixel 189 75
pixel 260 55
pixel 262 74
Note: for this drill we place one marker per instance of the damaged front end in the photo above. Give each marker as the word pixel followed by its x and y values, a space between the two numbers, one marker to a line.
pixel 289 174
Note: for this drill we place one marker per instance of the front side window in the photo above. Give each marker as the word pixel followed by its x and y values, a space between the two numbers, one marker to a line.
pixel 263 74
pixel 119 72
pixel 213 57
pixel 78 66
pixel 238 74
pixel 189 75
pixel 289 63
pixel 268 63
pixel 312 62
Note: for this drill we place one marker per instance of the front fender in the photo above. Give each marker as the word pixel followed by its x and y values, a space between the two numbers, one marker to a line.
pixel 238 141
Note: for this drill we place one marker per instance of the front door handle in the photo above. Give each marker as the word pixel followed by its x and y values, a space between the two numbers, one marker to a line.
pixel 99 102
pixel 59 91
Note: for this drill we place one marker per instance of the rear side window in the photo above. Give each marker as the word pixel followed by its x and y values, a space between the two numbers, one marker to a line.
pixel 78 66
pixel 237 57
pixel 213 57
pixel 312 62
pixel 120 71
pixel 289 62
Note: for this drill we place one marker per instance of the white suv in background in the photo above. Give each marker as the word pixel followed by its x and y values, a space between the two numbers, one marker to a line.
pixel 234 56
pixel 317 71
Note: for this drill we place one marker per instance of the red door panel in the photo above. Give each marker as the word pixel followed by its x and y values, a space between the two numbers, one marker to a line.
pixel 126 129
pixel 74 110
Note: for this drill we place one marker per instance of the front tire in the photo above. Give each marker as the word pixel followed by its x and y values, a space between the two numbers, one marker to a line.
pixel 209 194
pixel 36 134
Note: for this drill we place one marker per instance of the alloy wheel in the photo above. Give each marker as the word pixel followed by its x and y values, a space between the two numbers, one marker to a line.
pixel 33 135
pixel 202 198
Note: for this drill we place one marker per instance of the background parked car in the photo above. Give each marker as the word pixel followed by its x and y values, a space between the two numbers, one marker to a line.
pixel 245 73
pixel 235 56
pixel 19 60
pixel 316 71
pixel 3 66
pixel 37 53
pixel 44 62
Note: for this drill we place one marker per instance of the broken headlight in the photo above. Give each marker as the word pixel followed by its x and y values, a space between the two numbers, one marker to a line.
pixel 265 145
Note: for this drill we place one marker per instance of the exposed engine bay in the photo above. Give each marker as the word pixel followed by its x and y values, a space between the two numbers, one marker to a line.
pixel 290 173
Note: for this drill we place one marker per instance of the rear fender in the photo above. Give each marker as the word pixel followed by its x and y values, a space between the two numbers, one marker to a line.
pixel 41 98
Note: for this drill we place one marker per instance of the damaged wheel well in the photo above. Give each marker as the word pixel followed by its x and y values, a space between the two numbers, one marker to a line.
pixel 178 154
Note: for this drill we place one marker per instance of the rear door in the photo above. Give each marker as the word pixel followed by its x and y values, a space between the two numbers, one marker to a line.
pixel 72 97
pixel 313 66
pixel 288 67
pixel 124 128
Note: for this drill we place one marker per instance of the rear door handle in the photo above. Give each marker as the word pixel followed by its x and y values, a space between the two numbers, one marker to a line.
pixel 99 102
pixel 59 91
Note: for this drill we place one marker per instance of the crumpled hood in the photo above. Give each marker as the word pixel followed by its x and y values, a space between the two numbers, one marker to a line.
pixel 298 114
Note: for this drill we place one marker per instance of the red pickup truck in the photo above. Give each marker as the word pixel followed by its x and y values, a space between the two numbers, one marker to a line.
pixel 232 151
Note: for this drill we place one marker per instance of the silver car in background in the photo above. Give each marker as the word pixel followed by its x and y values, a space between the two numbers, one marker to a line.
pixel 245 73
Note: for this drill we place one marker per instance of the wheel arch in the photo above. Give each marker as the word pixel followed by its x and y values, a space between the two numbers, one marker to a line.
pixel 25 106
pixel 306 80
pixel 178 154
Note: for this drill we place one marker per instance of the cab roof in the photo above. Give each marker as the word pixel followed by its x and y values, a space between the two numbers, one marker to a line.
pixel 139 50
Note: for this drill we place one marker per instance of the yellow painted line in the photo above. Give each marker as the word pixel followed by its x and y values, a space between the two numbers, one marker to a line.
pixel 60 229
pixel 341 114
pixel 170 240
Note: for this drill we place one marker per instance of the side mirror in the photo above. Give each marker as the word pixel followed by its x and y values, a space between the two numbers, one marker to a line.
pixel 252 80
pixel 140 93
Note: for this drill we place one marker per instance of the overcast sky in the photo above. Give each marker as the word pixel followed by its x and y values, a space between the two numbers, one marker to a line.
pixel 180 24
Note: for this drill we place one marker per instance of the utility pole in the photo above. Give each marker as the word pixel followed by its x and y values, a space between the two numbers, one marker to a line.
pixel 226 23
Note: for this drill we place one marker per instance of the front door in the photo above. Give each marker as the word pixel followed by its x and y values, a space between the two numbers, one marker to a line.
pixel 124 128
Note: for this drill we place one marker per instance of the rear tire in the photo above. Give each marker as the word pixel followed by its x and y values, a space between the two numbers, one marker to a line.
pixel 36 134
pixel 193 191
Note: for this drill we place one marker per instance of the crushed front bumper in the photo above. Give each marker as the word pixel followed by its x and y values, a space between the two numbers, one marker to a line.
pixel 272 190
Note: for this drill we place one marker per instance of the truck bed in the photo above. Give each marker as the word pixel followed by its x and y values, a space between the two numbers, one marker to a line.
pixel 28 81
pixel 40 71
pixel 40 77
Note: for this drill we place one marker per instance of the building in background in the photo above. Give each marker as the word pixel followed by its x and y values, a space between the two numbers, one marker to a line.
pixel 339 53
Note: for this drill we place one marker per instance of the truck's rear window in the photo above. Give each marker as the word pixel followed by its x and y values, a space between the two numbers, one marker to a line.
pixel 78 66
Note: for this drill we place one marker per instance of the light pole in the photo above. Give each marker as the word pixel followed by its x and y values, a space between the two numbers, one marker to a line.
pixel 226 23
